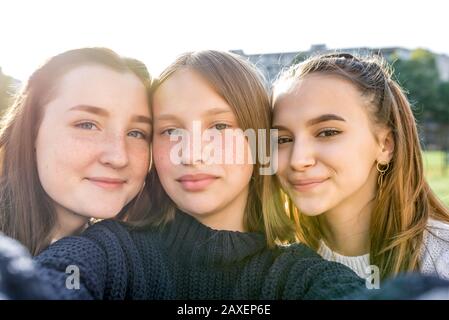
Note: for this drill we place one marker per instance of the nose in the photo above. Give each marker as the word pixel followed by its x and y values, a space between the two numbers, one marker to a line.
pixel 191 153
pixel 302 156
pixel 114 152
pixel 195 147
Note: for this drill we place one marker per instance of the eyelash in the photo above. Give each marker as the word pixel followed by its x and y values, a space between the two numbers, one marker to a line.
pixel 82 125
pixel 334 131
pixel 227 126
pixel 284 138
pixel 143 135
pixel 168 132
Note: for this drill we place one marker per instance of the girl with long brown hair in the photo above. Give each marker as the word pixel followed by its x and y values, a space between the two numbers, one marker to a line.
pixel 74 146
pixel 351 163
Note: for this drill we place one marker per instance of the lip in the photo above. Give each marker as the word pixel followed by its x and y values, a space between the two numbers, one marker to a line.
pixel 196 182
pixel 107 183
pixel 304 185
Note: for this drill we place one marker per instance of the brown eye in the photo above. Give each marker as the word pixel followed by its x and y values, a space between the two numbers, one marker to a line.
pixel 282 140
pixel 328 133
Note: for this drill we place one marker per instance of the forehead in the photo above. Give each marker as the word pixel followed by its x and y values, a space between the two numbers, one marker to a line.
pixel 187 93
pixel 97 79
pixel 317 94
pixel 99 86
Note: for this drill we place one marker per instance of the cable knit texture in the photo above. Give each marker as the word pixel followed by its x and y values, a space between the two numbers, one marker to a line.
pixel 188 260
pixel 434 255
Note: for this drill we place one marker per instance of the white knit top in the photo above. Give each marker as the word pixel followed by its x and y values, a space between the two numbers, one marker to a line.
pixel 434 260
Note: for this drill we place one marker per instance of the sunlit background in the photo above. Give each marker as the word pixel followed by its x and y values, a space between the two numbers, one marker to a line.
pixel 157 31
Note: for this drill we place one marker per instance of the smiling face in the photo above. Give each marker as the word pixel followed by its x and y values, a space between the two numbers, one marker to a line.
pixel 92 147
pixel 328 146
pixel 214 193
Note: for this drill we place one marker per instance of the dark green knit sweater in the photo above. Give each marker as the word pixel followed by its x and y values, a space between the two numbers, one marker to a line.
pixel 188 260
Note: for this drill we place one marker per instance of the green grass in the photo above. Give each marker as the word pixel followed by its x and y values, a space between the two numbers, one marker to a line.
pixel 437 177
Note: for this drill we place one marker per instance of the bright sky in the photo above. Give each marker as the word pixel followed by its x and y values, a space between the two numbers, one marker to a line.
pixel 157 31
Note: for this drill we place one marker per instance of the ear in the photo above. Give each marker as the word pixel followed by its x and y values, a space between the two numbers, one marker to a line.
pixel 386 143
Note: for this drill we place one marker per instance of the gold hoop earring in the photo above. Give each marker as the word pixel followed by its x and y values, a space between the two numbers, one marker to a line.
pixel 382 171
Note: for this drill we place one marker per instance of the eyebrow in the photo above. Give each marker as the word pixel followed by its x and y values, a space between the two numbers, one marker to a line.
pixel 323 118
pixel 90 109
pixel 209 112
pixel 216 111
pixel 279 127
pixel 104 113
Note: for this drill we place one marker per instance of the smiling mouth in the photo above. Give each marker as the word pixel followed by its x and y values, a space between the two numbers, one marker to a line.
pixel 107 183
pixel 307 185
pixel 198 182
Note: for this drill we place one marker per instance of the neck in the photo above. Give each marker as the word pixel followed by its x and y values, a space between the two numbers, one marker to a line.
pixel 229 217
pixel 347 226
pixel 68 223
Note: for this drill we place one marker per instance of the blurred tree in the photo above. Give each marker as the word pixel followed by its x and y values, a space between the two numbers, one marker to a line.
pixel 6 84
pixel 444 102
pixel 420 78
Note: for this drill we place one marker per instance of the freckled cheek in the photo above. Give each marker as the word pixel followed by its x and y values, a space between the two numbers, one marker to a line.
pixel 64 161
pixel 139 156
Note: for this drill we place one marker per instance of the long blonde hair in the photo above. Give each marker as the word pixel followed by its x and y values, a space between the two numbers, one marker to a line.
pixel 403 208
pixel 242 87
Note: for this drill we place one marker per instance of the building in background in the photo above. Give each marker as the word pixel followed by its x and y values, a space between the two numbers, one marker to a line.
pixel 272 63
pixel 434 133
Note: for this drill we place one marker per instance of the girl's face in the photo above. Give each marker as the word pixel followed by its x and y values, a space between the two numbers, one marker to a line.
pixel 92 147
pixel 209 190
pixel 328 146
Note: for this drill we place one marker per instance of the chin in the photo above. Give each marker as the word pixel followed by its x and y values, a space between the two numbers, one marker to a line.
pixel 311 210
pixel 197 209
pixel 106 213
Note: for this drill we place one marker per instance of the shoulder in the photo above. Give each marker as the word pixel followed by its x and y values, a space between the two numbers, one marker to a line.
pixel 297 250
pixel 111 261
pixel 93 244
pixel 94 260
pixel 435 255
pixel 298 272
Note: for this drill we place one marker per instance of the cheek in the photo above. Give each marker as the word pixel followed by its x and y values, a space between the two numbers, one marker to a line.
pixel 240 171
pixel 283 155
pixel 53 155
pixel 140 159
pixel 237 150
pixel 61 162
pixel 351 159
pixel 161 156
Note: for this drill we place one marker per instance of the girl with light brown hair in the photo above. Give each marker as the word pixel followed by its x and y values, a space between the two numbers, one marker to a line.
pixel 351 164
